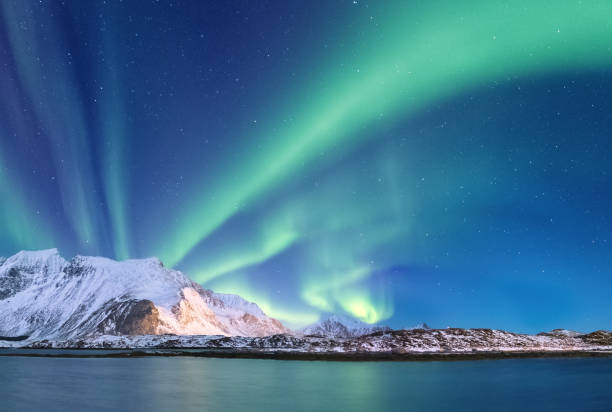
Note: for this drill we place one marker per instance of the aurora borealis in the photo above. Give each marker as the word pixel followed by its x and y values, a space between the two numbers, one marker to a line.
pixel 396 161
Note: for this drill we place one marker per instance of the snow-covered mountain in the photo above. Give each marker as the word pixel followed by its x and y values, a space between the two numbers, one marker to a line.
pixel 337 326
pixel 44 296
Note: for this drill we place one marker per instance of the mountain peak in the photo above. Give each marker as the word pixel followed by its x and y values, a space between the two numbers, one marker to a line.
pixel 421 325
pixel 33 255
pixel 561 332
pixel 341 326
pixel 48 259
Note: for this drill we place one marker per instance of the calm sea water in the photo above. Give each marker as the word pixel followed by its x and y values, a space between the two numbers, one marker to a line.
pixel 201 384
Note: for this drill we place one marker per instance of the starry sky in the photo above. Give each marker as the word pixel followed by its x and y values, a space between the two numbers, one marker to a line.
pixel 397 161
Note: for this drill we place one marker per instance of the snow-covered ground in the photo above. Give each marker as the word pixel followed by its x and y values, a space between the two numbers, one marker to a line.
pixel 400 341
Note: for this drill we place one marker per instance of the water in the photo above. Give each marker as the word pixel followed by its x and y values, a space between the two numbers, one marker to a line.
pixel 204 384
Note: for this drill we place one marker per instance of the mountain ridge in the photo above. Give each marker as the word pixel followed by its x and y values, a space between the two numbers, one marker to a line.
pixel 398 342
pixel 338 326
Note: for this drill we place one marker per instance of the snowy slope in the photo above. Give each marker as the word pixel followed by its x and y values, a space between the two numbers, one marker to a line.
pixel 235 302
pixel 44 296
pixel 337 326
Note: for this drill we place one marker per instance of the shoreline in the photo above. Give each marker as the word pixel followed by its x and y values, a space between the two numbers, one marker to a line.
pixel 303 356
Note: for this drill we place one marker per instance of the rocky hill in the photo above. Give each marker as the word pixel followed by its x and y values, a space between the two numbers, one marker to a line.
pixel 423 341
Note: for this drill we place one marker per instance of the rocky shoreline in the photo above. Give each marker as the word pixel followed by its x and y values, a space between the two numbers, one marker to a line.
pixel 304 356
pixel 392 344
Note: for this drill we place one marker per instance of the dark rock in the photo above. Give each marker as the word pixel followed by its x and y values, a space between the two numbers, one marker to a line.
pixel 600 337
pixel 142 318
pixel 13 282
pixel 76 267
pixel 131 317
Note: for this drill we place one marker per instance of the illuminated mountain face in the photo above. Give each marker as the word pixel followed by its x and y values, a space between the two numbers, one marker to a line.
pixel 43 296
pixel 400 162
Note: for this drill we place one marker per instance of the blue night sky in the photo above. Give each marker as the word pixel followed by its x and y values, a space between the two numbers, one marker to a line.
pixel 398 161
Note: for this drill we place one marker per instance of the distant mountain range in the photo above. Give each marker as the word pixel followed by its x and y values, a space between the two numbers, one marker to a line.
pixel 337 326
pixel 94 302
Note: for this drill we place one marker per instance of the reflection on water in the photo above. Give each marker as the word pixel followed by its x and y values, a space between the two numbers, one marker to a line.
pixel 175 384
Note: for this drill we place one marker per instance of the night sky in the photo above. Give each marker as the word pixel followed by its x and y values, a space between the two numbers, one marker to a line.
pixel 437 161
